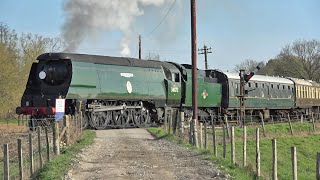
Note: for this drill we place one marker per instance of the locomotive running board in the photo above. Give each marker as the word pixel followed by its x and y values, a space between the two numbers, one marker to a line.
pixel 113 108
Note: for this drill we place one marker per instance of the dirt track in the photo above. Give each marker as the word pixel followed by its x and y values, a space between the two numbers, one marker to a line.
pixel 135 154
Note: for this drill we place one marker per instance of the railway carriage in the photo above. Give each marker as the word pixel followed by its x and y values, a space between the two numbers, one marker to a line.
pixel 266 94
pixel 307 96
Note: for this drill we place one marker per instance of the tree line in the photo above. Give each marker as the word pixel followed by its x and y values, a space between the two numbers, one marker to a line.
pixel 300 59
pixel 17 53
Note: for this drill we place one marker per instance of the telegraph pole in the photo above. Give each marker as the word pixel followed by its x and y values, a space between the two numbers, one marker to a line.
pixel 194 69
pixel 205 50
pixel 241 96
pixel 139 47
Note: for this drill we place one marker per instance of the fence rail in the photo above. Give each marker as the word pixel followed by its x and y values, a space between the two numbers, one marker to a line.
pixel 40 142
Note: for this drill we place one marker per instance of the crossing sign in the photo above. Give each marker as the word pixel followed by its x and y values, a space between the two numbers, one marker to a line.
pixel 60 107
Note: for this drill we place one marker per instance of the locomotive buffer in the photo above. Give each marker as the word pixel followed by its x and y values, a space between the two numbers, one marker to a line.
pixel 244 78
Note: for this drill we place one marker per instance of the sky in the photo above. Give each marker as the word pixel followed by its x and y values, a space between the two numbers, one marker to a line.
pixel 236 30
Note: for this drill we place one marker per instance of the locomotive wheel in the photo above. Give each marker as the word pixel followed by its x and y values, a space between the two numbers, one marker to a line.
pixel 85 121
pixel 99 120
pixel 121 118
pixel 143 119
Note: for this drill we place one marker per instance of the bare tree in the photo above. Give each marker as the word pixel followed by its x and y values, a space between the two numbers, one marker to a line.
pixel 34 45
pixel 303 57
pixel 8 37
pixel 248 65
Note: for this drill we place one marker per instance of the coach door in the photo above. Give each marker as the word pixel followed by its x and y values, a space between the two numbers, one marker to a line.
pixel 173 87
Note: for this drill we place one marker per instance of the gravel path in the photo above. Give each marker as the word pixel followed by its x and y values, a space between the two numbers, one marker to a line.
pixel 135 154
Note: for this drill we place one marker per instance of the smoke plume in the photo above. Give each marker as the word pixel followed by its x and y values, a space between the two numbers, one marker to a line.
pixel 87 18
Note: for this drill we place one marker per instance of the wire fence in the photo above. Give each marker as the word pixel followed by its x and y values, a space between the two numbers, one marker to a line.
pixel 25 152
pixel 294 135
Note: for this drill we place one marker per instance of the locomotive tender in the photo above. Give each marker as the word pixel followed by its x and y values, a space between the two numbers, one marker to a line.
pixel 126 92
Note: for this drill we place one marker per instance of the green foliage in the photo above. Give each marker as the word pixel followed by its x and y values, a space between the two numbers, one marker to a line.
pixel 17 53
pixel 57 168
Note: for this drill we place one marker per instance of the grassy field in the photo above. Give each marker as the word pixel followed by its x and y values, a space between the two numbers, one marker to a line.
pixel 305 140
pixel 56 168
pixel 8 121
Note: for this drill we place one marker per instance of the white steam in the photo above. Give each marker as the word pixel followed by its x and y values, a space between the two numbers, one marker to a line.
pixel 88 18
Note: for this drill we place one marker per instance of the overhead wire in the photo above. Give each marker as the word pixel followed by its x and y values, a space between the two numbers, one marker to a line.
pixel 164 17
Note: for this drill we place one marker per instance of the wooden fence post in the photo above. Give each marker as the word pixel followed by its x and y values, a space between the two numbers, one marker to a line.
pixel 195 134
pixel 166 119
pixel 31 153
pixel 48 144
pixel 182 122
pixel 214 139
pixel 205 135
pixel 66 124
pixel 233 149
pixel 81 121
pixel 39 147
pixel 56 142
pixel 80 115
pixel 244 146
pixel 290 124
pixel 274 158
pixel 226 121
pixel 318 166
pixel 20 157
pixel 200 136
pixel 294 163
pixel 272 119
pixel 6 161
pixel 257 153
pixel 262 122
pixel 224 141
pixel 301 120
pixel 170 122
pixel 190 131
pixel 313 123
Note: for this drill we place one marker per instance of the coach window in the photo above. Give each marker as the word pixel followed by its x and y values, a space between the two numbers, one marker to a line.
pixel 175 77
pixel 249 84
pixel 167 73
pixel 306 92
pixel 256 85
pixel 271 86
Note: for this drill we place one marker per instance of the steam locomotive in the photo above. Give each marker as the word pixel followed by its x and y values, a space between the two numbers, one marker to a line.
pixel 124 92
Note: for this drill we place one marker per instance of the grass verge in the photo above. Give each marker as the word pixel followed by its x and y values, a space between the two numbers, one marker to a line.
pixel 223 165
pixel 305 140
pixel 57 167
pixel 8 121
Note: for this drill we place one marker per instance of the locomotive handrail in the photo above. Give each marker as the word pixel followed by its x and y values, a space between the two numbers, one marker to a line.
pixel 114 108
